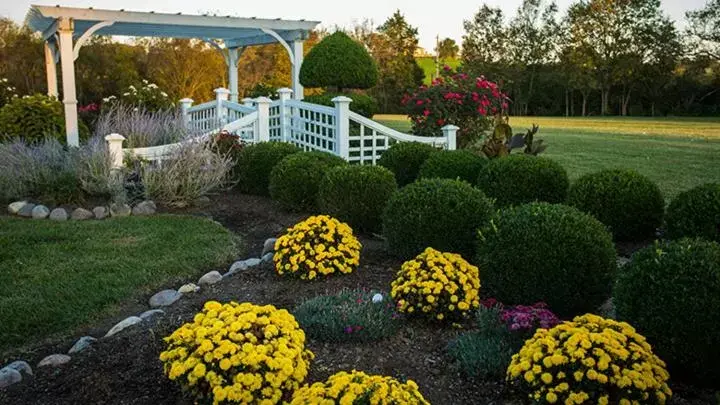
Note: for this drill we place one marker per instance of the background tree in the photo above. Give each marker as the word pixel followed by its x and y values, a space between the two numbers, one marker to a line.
pixel 447 49
pixel 704 29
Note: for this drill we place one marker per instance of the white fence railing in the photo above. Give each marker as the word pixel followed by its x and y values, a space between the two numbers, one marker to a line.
pixel 336 130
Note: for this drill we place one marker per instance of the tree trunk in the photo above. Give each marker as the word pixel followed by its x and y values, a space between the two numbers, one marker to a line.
pixel 567 102
pixel 584 103
pixel 625 103
pixel 652 109
pixel 605 100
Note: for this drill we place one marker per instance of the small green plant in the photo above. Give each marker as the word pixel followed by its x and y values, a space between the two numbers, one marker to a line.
pixel 521 179
pixel 357 195
pixel 349 316
pixel 295 180
pixel 453 164
pixel 695 213
pixel 483 354
pixel 630 204
pixel 441 213
pixel 405 159
pixel 34 118
pixel 255 162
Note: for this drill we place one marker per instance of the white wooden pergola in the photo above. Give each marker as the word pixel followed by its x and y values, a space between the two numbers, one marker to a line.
pixel 66 29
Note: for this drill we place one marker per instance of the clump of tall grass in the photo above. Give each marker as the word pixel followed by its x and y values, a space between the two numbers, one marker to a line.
pixel 141 127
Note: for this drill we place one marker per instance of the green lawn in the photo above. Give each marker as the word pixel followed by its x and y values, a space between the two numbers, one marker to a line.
pixel 677 153
pixel 58 276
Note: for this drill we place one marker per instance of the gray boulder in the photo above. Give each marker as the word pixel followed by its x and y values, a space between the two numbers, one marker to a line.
pixel 15 207
pixel 40 212
pixel 82 344
pixel 243 265
pixel 124 324
pixel 22 366
pixel 9 376
pixel 81 214
pixel 151 314
pixel 26 210
pixel 188 289
pixel 268 246
pixel 144 208
pixel 54 360
pixel 164 298
pixel 210 278
pixel 100 212
pixel 268 257
pixel 58 214
pixel 119 210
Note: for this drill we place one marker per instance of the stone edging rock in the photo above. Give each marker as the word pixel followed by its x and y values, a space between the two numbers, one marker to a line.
pixel 38 211
pixel 18 370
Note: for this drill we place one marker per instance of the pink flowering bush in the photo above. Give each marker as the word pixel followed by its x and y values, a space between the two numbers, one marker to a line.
pixel 457 99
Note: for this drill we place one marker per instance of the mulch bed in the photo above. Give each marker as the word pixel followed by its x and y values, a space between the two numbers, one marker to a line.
pixel 125 369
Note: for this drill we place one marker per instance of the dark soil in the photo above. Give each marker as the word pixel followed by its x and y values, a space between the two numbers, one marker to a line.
pixel 125 369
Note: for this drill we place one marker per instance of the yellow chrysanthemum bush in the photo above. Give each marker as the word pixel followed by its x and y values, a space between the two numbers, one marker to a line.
pixel 437 285
pixel 238 353
pixel 318 246
pixel 589 360
pixel 359 388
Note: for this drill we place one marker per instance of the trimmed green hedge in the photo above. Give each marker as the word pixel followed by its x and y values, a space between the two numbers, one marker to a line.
pixel 624 200
pixel 295 181
pixel 695 213
pixel 255 162
pixel 33 118
pixel 404 159
pixel 550 253
pixel 357 195
pixel 341 62
pixel 439 213
pixel 453 164
pixel 671 293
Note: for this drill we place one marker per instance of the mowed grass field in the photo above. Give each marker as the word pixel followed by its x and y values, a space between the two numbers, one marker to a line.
pixel 676 153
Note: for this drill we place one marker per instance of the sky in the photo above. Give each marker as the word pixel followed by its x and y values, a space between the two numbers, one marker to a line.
pixel 444 18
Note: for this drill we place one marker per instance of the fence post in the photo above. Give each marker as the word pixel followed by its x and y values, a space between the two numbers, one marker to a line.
pixel 342 125
pixel 262 129
pixel 248 102
pixel 185 105
pixel 450 133
pixel 115 147
pixel 284 95
pixel 221 95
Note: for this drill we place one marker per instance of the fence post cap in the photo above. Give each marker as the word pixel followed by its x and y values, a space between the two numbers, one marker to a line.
pixel 221 90
pixel 263 100
pixel 186 100
pixel 114 137
pixel 450 127
pixel 341 99
pixel 284 90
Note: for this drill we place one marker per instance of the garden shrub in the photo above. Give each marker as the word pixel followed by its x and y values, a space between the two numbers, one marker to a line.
pixel 33 118
pixel 695 213
pixel 453 164
pixel 238 353
pixel 671 293
pixel 549 253
pixel 441 213
pixel 7 92
pixel 589 360
pixel 317 247
pixel 255 162
pixel 359 388
pixel 339 61
pixel 357 195
pixel 295 181
pixel 147 96
pixel 362 104
pixel 436 285
pixel 404 159
pixel 457 99
pixel 482 354
pixel 521 179
pixel 348 316
pixel 624 200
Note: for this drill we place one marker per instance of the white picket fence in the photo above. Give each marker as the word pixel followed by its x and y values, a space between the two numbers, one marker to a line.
pixel 336 130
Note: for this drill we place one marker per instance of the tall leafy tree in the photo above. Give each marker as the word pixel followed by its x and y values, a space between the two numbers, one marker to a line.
pixel 485 42
pixel 447 49
pixel 704 29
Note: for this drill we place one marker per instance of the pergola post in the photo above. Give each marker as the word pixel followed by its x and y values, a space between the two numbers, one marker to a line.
pixel 50 71
pixel 297 60
pixel 67 61
pixel 232 62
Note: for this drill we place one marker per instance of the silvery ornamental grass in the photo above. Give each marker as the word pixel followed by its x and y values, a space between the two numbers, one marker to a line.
pixel 141 127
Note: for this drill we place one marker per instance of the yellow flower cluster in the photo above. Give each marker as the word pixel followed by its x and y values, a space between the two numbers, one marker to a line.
pixel 359 388
pixel 319 246
pixel 439 285
pixel 240 353
pixel 590 360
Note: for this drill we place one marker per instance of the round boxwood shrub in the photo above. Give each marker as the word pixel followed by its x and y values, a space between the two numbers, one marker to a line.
pixel 453 164
pixel 550 253
pixel 624 200
pixel 362 104
pixel 341 62
pixel 357 195
pixel 255 162
pixel 671 293
pixel 695 212
pixel 33 118
pixel 439 213
pixel 404 159
pixel 294 182
pixel 520 179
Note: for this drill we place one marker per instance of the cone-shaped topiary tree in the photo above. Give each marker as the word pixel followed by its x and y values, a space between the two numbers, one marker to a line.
pixel 338 61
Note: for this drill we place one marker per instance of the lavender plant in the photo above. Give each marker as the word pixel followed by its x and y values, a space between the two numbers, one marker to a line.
pixel 142 127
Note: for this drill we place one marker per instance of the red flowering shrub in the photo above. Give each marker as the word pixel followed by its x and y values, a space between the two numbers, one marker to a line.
pixel 457 99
